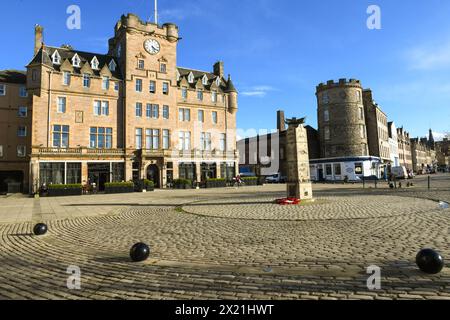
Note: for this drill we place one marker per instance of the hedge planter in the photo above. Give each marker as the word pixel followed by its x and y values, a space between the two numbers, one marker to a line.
pixel 182 184
pixel 250 181
pixel 113 188
pixel 149 185
pixel 219 183
pixel 64 190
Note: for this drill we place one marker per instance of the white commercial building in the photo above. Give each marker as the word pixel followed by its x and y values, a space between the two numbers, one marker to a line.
pixel 354 168
pixel 393 144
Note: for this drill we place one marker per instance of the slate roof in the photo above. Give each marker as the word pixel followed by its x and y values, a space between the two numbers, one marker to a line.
pixel 225 86
pixel 13 76
pixel 230 86
pixel 45 53
pixel 44 56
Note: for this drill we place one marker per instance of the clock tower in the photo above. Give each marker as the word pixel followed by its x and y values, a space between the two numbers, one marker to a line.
pixel 147 55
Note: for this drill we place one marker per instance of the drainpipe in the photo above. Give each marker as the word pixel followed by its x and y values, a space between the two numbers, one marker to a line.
pixel 49 106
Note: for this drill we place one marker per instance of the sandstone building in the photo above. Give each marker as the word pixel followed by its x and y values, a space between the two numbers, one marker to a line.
pixel 393 144
pixel 15 130
pixel 348 130
pixel 341 119
pixel 419 151
pixel 404 148
pixel 266 154
pixel 129 114
pixel 443 153
pixel 424 154
pixel 377 128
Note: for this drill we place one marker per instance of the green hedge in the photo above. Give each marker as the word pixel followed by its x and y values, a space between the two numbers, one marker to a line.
pixel 119 185
pixel 65 186
pixel 250 179
pixel 149 183
pixel 216 180
pixel 182 182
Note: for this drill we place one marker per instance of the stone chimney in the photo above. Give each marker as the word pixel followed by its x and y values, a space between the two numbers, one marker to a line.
pixel 38 38
pixel 281 121
pixel 219 69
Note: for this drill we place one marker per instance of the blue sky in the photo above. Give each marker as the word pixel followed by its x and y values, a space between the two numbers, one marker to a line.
pixel 277 50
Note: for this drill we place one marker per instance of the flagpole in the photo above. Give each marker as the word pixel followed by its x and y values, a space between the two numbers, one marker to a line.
pixel 156 11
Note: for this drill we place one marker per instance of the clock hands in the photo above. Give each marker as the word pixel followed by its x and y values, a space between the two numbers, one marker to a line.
pixel 152 47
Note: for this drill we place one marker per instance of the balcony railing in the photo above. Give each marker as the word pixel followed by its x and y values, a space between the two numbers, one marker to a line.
pixel 183 154
pixel 106 151
pixel 60 151
pixel 79 151
pixel 205 154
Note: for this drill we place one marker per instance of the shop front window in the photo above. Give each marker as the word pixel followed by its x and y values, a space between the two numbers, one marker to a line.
pixel 73 173
pixel 227 171
pixel 188 171
pixel 209 171
pixel 118 172
pixel 358 168
pixel 51 173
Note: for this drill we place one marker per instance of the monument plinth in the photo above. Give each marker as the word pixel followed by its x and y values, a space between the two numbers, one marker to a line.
pixel 298 173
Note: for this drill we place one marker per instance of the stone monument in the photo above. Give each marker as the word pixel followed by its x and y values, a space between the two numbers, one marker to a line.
pixel 298 175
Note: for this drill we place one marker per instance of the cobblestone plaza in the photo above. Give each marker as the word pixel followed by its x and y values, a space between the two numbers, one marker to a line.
pixel 228 244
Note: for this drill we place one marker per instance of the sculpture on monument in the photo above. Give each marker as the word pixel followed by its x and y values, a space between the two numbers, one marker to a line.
pixel 298 173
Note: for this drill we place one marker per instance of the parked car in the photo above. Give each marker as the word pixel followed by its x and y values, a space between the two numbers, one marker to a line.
pixel 276 178
pixel 400 172
pixel 247 175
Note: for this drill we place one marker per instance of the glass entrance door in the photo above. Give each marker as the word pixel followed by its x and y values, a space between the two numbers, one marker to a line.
pixel 100 174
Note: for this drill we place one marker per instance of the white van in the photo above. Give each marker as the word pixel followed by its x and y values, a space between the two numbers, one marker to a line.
pixel 399 172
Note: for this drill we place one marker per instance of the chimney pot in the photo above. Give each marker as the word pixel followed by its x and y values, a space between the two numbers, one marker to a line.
pixel 219 69
pixel 281 121
pixel 38 38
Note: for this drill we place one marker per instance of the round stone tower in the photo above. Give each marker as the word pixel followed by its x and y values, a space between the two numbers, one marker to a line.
pixel 341 118
pixel 233 96
pixel 172 32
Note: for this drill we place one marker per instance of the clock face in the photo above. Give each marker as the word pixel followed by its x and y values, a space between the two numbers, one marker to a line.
pixel 152 46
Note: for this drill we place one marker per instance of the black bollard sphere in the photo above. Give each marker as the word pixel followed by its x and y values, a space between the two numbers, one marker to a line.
pixel 139 252
pixel 430 261
pixel 40 229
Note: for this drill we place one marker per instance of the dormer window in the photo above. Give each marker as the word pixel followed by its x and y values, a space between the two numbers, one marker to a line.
pixel 76 61
pixel 218 82
pixel 163 68
pixel 191 78
pixel 112 66
pixel 94 63
pixel 119 51
pixel 56 58
pixel 178 76
pixel 205 80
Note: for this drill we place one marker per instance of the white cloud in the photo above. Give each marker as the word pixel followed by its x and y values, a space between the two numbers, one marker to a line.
pixel 439 136
pixel 258 91
pixel 254 93
pixel 180 13
pixel 429 57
